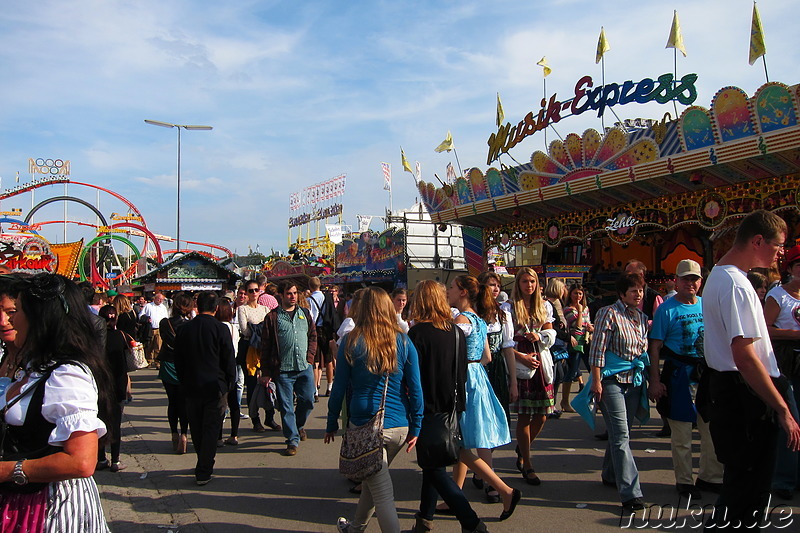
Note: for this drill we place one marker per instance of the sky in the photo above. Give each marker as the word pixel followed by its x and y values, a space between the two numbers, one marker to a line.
pixel 301 92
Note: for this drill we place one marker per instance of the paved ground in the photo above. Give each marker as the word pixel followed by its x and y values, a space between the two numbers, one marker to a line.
pixel 257 489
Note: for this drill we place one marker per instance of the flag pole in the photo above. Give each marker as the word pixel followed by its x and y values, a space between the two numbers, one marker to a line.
pixel 457 162
pixel 603 75
pixel 544 98
pixel 764 59
pixel 675 78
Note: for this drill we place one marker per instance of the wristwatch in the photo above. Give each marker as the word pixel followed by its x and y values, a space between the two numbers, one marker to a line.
pixel 18 476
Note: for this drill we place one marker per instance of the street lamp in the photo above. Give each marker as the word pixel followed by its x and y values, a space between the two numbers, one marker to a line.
pixel 186 127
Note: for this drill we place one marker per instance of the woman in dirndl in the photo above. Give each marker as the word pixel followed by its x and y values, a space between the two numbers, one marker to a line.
pixel 50 412
pixel 531 319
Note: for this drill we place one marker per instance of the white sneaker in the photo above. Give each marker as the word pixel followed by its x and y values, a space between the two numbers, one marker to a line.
pixel 243 416
pixel 343 525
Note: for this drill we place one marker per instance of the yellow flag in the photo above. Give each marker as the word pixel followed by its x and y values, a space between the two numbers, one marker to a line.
pixel 446 144
pixel 757 46
pixel 675 36
pixel 602 46
pixel 501 116
pixel 406 166
pixel 546 70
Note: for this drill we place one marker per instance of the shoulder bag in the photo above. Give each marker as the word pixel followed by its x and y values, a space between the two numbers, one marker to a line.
pixel 134 354
pixel 361 455
pixel 439 440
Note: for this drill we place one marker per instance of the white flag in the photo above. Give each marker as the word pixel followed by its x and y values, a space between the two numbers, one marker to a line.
pixel 418 173
pixel 363 223
pixel 334 233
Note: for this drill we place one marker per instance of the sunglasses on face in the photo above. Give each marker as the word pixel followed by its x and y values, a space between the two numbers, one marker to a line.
pixel 252 290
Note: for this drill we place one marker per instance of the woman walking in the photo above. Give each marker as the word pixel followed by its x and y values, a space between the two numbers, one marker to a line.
pixel 533 331
pixel 116 343
pixel 442 348
pixel 580 328
pixel 177 417
pixel 225 315
pixel 376 356
pixel 618 358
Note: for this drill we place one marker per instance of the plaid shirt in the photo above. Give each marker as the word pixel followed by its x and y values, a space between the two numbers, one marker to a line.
pixel 622 330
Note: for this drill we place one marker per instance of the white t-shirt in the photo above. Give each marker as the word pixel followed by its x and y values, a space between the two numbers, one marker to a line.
pixel 731 309
pixel 789 316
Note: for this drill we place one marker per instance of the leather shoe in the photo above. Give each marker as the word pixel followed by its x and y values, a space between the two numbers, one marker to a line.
pixel 290 451
pixel 303 435
pixel 708 486
pixel 688 491
pixel 634 504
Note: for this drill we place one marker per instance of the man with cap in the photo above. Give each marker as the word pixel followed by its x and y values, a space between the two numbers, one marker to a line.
pixel 676 337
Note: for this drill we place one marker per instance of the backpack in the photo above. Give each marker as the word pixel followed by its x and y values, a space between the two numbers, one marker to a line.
pixel 330 318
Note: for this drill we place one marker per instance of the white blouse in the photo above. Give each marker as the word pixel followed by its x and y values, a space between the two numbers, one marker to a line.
pixel 70 402
pixel 507 328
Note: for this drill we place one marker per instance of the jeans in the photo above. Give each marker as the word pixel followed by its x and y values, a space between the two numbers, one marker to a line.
pixel 437 482
pixel 377 492
pixel 239 384
pixel 619 402
pixel 287 384
pixel 573 364
pixel 787 466
pixel 205 423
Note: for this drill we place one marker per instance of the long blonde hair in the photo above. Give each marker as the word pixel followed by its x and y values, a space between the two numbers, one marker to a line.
pixel 536 312
pixel 429 304
pixel 376 331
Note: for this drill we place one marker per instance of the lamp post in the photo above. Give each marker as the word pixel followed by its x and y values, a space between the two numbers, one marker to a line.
pixel 186 127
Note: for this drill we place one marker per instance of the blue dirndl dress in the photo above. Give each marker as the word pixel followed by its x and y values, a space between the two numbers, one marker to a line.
pixel 483 422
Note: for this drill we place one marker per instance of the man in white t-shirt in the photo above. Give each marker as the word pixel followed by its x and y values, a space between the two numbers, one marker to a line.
pixel 746 406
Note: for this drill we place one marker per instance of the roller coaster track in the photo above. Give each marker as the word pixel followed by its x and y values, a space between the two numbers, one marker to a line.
pixel 9 193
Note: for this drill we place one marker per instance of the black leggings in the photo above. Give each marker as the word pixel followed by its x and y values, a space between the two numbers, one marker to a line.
pixel 235 412
pixel 176 408
pixel 114 436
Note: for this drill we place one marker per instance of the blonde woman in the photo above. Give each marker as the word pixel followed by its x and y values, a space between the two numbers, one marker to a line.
pixel 436 343
pixel 372 353
pixel 532 326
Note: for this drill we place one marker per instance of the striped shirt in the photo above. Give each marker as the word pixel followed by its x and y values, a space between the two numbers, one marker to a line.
pixel 620 329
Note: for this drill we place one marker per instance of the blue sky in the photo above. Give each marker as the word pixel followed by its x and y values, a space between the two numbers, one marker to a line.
pixel 300 92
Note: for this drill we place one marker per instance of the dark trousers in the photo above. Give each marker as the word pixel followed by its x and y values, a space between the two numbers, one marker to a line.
pixel 176 408
pixel 745 438
pixel 205 423
pixel 437 482
pixel 114 438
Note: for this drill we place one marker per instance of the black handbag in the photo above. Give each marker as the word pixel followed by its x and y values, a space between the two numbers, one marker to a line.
pixel 439 438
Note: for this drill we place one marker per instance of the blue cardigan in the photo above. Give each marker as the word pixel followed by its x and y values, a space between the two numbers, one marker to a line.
pixel 404 405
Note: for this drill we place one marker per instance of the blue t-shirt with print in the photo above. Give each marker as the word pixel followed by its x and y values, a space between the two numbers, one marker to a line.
pixel 680 327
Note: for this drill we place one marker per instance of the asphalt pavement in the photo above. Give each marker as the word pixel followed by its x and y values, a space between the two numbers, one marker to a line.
pixel 255 488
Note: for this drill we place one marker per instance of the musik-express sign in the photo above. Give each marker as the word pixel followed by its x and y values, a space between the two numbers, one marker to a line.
pixel 587 97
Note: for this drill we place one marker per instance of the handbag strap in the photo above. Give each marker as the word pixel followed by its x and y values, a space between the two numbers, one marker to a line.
pixel 385 389
pixel 455 370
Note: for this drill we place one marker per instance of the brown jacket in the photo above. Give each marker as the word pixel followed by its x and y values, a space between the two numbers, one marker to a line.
pixel 270 351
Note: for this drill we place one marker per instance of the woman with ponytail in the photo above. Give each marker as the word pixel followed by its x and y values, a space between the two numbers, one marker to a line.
pixel 483 422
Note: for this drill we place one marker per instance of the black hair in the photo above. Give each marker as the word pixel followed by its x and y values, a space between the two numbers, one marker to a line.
pixel 626 281
pixel 207 301
pixel 61 330
pixel 108 311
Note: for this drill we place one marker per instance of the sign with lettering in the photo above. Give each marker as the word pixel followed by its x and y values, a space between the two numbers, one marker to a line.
pixel 587 97
pixel 26 253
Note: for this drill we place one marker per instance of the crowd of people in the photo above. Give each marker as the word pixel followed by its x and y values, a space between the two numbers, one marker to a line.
pixel 725 362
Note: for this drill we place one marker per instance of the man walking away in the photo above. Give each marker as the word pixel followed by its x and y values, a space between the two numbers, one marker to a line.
pixel 747 392
pixel 205 364
pixel 288 348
